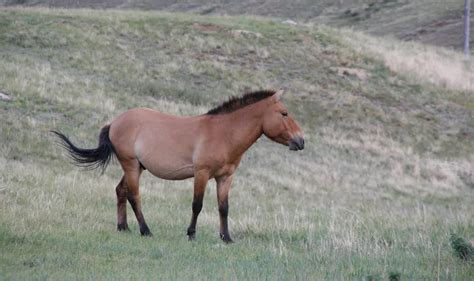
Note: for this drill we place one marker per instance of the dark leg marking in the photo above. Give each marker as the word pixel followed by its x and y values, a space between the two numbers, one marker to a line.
pixel 223 187
pixel 121 192
pixel 144 230
pixel 197 207
pixel 223 214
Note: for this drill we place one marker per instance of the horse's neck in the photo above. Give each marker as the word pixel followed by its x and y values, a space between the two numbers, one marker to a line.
pixel 242 128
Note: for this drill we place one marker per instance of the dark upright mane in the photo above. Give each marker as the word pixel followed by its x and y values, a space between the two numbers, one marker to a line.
pixel 235 103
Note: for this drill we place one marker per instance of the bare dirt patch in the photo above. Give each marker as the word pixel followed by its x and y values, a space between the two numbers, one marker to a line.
pixel 207 27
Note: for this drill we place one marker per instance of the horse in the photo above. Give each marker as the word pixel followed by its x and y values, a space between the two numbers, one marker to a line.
pixel 207 146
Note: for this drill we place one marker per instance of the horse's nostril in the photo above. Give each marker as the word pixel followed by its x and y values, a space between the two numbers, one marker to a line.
pixel 297 143
pixel 300 143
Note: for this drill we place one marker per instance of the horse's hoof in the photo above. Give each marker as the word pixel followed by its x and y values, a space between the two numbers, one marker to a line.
pixel 226 238
pixel 122 227
pixel 191 234
pixel 145 232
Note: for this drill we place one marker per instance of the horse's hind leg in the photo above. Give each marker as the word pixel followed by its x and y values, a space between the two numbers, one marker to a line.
pixel 131 179
pixel 121 191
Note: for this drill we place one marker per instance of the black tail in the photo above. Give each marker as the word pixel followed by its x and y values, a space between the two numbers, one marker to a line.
pixel 90 158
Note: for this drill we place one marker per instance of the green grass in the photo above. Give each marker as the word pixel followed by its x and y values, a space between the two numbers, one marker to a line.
pixel 383 184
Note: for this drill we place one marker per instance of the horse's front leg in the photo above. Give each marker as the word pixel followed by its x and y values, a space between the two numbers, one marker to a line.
pixel 223 187
pixel 201 178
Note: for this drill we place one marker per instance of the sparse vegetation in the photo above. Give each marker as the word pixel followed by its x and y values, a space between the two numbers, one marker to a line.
pixel 386 176
pixel 417 62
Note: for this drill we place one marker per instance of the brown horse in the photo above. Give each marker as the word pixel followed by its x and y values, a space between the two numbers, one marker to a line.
pixel 205 147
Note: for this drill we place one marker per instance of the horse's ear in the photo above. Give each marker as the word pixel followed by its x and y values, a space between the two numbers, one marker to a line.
pixel 277 95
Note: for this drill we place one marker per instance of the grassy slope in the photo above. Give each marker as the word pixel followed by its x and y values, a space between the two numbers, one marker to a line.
pixel 386 176
pixel 428 21
pixel 437 22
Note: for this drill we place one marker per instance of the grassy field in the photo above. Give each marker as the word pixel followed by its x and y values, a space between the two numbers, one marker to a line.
pixel 384 181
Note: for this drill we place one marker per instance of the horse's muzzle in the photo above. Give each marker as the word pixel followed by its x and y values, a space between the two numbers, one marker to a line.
pixel 296 143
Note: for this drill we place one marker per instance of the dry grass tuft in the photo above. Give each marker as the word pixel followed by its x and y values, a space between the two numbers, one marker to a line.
pixel 462 249
pixel 425 63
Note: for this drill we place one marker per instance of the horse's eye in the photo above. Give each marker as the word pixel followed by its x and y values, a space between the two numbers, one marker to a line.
pixel 284 114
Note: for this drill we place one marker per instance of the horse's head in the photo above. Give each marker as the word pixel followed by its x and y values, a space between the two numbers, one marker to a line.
pixel 279 126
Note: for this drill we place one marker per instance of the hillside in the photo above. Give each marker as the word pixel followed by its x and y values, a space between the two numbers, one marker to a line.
pixel 385 178
pixel 429 21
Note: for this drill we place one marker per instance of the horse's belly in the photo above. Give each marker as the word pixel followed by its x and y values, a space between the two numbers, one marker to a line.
pixel 172 172
pixel 165 157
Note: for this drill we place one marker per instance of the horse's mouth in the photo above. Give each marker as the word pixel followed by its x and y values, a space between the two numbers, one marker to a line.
pixel 296 144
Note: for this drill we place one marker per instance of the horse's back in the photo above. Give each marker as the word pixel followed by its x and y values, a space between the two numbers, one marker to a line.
pixel 131 122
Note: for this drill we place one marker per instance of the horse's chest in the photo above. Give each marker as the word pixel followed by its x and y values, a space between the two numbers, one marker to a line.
pixel 224 170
